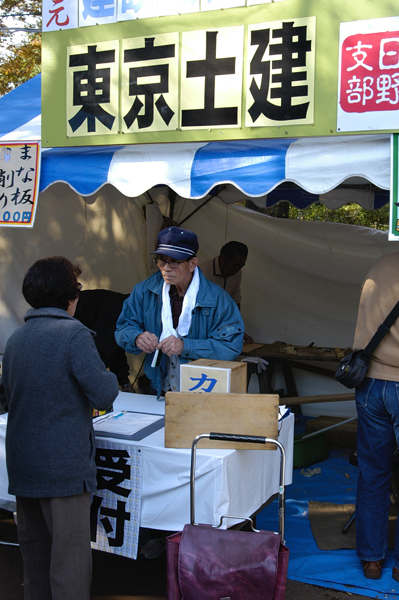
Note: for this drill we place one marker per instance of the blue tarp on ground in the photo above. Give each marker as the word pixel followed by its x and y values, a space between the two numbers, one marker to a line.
pixel 336 569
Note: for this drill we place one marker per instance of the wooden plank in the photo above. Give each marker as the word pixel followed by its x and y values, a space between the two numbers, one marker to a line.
pixel 249 348
pixel 304 365
pixel 320 423
pixel 283 350
pixel 344 436
pixel 293 400
pixel 190 414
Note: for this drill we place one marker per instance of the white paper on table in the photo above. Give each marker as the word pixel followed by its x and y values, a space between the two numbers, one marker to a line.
pixel 124 423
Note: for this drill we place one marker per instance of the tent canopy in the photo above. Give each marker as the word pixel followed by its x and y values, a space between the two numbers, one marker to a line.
pixel 265 170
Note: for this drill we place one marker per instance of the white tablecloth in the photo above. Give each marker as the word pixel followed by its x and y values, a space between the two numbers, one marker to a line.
pixel 235 482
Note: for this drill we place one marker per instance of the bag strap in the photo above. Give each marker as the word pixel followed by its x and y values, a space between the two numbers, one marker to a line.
pixel 382 330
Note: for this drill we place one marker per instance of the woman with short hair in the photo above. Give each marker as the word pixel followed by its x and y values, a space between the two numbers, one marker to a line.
pixel 52 379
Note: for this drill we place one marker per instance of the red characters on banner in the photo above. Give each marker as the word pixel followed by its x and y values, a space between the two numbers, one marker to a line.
pixel 56 14
pixel 370 72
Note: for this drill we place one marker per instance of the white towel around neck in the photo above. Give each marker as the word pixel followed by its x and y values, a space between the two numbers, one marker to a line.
pixel 183 326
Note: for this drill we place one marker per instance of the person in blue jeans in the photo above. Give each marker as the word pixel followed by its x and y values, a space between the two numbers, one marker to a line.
pixel 377 403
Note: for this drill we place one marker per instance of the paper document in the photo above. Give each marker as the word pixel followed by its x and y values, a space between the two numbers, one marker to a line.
pixel 127 424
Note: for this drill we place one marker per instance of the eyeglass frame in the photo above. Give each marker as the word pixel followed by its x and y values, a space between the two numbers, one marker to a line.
pixel 171 262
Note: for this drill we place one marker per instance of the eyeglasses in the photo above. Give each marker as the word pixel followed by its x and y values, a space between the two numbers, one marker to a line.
pixel 173 264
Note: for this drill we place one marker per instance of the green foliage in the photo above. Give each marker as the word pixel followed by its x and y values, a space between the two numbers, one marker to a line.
pixel 20 55
pixel 352 214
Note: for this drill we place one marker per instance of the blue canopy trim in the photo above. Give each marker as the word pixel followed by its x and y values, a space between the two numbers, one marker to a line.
pixel 84 169
pixel 253 166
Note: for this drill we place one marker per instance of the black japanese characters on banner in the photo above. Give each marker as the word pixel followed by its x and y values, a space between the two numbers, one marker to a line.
pixel 115 508
pixel 208 69
pixel 149 90
pixel 91 88
pixel 291 53
pixel 193 80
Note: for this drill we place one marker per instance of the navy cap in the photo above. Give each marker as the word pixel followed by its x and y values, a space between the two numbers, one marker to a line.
pixel 177 243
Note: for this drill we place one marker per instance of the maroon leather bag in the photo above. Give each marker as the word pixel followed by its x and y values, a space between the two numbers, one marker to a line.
pixel 208 563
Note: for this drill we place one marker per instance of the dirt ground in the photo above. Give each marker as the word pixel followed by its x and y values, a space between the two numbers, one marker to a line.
pixel 119 578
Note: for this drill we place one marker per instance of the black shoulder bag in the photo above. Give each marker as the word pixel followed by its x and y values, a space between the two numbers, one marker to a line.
pixel 354 366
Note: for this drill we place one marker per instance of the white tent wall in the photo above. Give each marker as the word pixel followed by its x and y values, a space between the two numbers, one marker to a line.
pixel 301 283
pixel 105 235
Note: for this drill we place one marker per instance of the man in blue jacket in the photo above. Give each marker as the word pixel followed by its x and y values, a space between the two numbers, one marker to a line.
pixel 177 316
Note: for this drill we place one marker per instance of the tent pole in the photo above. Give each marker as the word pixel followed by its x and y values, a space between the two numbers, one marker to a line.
pixel 194 211
pixel 172 201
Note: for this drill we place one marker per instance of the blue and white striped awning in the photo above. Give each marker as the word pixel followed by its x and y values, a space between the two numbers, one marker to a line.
pixel 255 168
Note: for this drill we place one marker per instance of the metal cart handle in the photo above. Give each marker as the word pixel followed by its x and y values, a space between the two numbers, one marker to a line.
pixel 251 439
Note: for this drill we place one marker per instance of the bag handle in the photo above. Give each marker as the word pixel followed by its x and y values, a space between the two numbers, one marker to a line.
pixel 382 331
pixel 251 439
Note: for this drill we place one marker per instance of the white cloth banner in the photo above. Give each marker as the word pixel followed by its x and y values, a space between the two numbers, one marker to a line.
pixel 117 501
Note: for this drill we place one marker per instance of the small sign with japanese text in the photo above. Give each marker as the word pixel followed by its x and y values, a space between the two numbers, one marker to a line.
pixel 116 505
pixel 59 14
pixel 368 90
pixel 68 14
pixel 213 376
pixel 205 380
pixel 19 183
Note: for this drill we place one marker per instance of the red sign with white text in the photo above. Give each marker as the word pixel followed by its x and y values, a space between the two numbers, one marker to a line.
pixel 370 72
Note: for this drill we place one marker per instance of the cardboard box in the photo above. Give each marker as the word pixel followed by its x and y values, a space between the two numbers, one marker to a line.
pixel 214 376
pixel 188 414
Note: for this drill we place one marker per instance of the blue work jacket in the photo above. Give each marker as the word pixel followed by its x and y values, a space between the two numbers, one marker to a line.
pixel 216 330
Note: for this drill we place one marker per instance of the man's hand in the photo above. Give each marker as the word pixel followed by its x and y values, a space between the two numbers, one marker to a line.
pixel 248 339
pixel 171 345
pixel 147 342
